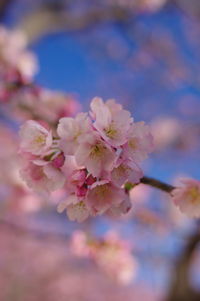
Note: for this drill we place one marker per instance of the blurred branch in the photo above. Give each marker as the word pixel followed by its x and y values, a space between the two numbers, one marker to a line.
pixel 4 6
pixel 47 19
pixel 157 184
pixel 181 289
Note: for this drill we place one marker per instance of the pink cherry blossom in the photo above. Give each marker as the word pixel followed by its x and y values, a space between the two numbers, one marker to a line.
pixel 79 244
pixel 14 56
pixel 75 175
pixel 35 138
pixel 103 195
pixel 115 259
pixel 140 142
pixel 187 197
pixel 71 130
pixel 126 171
pixel 119 210
pixel 95 155
pixel 95 166
pixel 111 254
pixel 42 104
pixel 59 160
pixel 111 121
pixel 76 210
pixel 43 179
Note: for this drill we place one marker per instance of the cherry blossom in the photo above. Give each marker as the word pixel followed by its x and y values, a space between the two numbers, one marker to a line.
pixel 110 253
pixel 42 179
pixel 92 166
pixel 96 155
pixel 35 138
pixel 111 121
pixel 139 143
pixel 71 130
pixel 14 57
pixel 76 210
pixel 187 197
pixel 126 171
pixel 39 103
pixel 102 195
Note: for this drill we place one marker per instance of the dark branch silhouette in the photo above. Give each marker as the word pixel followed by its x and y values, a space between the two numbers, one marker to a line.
pixel 180 289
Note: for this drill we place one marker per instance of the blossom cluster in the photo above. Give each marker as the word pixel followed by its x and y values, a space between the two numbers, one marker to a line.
pixel 43 105
pixel 93 158
pixel 17 64
pixel 111 254
pixel 22 99
pixel 18 92
pixel 187 197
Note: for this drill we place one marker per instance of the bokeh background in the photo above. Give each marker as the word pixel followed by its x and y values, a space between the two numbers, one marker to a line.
pixel 146 55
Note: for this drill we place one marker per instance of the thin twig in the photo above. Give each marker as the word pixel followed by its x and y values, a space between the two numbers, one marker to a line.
pixel 157 184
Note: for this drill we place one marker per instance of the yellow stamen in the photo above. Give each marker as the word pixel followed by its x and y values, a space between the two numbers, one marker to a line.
pixel 194 195
pixel 39 139
pixel 111 132
pixel 132 143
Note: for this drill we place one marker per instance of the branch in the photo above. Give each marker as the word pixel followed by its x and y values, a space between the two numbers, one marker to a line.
pixel 4 6
pixel 157 184
pixel 48 20
pixel 181 289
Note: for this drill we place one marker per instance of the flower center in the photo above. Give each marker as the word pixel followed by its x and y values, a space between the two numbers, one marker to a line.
pixel 97 150
pixel 102 191
pixel 40 139
pixel 133 143
pixel 111 132
pixel 194 194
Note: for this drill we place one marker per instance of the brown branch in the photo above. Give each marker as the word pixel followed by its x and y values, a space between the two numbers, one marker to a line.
pixel 4 6
pixel 180 289
pixel 157 184
pixel 47 20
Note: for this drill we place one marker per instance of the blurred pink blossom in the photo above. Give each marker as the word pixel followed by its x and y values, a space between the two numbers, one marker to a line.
pixel 111 254
pixel 187 197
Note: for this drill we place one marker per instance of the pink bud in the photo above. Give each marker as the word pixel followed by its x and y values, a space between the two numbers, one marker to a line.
pixel 79 176
pixel 59 161
pixel 81 191
pixel 90 180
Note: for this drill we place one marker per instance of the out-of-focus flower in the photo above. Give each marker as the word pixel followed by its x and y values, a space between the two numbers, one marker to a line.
pixel 43 179
pixel 140 5
pixel 17 64
pixel 14 56
pixel 166 132
pixel 187 197
pixel 42 104
pixel 111 254
pixel 150 5
pixel 14 195
pixel 35 138
pixel 140 142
